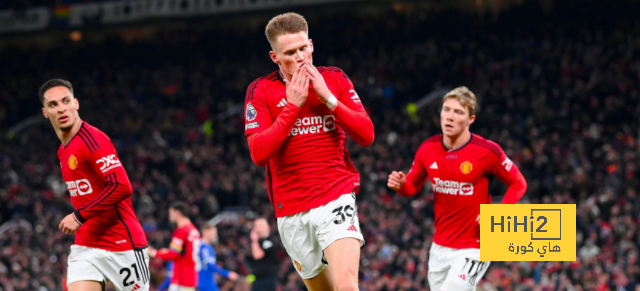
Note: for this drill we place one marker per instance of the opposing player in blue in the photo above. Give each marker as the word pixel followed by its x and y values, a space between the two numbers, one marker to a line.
pixel 208 270
pixel 206 277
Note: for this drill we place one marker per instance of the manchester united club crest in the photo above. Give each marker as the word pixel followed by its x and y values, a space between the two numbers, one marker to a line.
pixel 298 266
pixel 73 162
pixel 466 167
pixel 251 112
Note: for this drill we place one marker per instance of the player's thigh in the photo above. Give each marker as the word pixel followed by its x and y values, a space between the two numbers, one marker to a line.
pixel 299 239
pixel 340 237
pixel 466 271
pixel 439 265
pixel 319 282
pixel 343 258
pixel 86 286
pixel 81 271
pixel 436 278
pixel 128 271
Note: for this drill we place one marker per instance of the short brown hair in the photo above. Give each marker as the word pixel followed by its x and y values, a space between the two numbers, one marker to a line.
pixel 53 83
pixel 286 23
pixel 465 97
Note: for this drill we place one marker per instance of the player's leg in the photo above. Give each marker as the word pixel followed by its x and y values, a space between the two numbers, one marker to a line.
pixel 81 273
pixel 439 265
pixel 86 286
pixel 466 271
pixel 343 257
pixel 298 237
pixel 340 237
pixel 319 282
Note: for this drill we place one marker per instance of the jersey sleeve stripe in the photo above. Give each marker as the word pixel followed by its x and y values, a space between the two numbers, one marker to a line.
pixel 253 86
pixel 486 146
pixel 90 136
pixel 115 186
pixel 489 144
pixel 110 188
pixel 90 147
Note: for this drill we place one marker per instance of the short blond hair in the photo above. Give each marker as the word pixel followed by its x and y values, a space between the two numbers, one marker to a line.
pixel 465 97
pixel 286 23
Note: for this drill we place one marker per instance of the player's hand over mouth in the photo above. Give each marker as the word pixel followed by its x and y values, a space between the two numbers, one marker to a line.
pixel 318 82
pixel 298 87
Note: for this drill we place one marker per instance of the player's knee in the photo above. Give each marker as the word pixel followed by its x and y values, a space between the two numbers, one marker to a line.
pixel 346 286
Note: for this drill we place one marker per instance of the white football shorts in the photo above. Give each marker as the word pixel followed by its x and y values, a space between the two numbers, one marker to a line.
pixel 455 269
pixel 128 271
pixel 305 235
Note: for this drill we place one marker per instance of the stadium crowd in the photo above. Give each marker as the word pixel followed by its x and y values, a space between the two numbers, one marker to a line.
pixel 559 93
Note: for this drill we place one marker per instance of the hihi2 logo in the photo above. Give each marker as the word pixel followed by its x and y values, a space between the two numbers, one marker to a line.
pixel 533 232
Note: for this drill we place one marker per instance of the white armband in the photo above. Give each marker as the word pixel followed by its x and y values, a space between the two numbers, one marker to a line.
pixel 332 102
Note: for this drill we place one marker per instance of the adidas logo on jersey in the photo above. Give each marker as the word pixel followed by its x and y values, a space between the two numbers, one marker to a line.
pixel 352 228
pixel 434 166
pixel 462 276
pixel 136 287
pixel 282 103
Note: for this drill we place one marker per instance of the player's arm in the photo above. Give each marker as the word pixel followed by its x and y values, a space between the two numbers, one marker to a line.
pixel 509 174
pixel 346 107
pixel 409 185
pixel 266 138
pixel 104 160
pixel 208 259
pixel 173 252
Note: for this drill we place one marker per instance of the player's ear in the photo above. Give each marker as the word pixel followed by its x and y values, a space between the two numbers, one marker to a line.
pixel 311 45
pixel 272 54
pixel 44 112
pixel 75 100
pixel 472 119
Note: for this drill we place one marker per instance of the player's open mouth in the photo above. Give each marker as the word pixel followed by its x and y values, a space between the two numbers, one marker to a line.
pixel 64 118
pixel 448 126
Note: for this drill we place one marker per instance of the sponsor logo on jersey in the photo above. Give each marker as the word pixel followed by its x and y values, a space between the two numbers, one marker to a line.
pixel 466 167
pixel 452 187
pixel 108 163
pixel 355 96
pixel 298 266
pixel 251 125
pixel 507 164
pixel 73 162
pixel 79 187
pixel 434 166
pixel 251 112
pixel 352 228
pixel 313 125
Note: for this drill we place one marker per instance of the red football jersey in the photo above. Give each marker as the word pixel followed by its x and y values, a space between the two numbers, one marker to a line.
pixel 100 192
pixel 312 165
pixel 184 251
pixel 460 181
